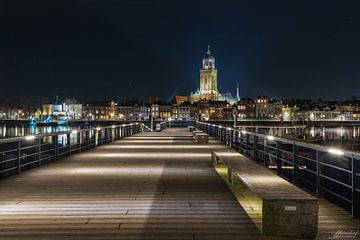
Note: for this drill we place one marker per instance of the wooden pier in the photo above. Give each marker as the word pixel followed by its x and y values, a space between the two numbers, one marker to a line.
pixel 147 186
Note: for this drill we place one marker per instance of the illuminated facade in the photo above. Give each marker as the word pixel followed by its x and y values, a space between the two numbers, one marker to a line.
pixel 99 110
pixel 208 80
pixel 262 106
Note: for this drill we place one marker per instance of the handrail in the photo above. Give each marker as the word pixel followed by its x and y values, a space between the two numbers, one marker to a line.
pixel 20 154
pixel 322 167
pixel 11 139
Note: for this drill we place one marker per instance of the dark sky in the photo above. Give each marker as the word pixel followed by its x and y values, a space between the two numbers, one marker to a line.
pixel 97 50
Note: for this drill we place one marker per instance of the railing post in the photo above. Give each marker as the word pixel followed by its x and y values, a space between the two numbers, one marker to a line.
pixel 266 155
pixel 255 147
pixel 79 138
pixel 319 192
pixel 88 139
pixel 68 136
pixel 2 164
pixel 355 189
pixel 295 165
pixel 278 156
pixel 56 148
pixel 39 152
pixel 19 157
pixel 96 138
pixel 247 144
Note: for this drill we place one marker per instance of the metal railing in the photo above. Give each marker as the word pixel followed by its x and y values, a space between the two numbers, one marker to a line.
pixel 327 172
pixel 24 153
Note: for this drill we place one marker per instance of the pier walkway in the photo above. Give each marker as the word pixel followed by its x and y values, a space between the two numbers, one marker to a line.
pixel 146 186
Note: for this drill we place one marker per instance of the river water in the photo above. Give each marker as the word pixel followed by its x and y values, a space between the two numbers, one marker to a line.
pixel 347 137
pixel 14 131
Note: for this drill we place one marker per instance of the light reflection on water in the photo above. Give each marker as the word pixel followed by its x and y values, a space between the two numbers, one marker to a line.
pixel 333 133
pixel 19 131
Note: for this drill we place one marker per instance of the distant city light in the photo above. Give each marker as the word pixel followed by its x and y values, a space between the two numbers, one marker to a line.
pixel 243 132
pixel 74 131
pixel 98 128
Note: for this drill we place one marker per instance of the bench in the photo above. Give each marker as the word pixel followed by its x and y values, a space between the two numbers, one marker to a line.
pixel 201 137
pixel 282 208
pixel 191 128
pixel 195 132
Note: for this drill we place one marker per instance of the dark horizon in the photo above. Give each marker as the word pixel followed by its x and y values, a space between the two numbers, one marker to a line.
pixel 124 50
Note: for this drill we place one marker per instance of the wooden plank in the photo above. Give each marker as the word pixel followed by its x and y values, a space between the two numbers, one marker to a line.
pixel 148 186
pixel 123 190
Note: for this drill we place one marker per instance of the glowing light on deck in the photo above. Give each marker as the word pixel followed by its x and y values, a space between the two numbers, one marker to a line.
pixel 30 137
pixel 271 138
pixel 336 151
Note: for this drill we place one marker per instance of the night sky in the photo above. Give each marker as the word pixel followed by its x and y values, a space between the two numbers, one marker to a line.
pixel 100 50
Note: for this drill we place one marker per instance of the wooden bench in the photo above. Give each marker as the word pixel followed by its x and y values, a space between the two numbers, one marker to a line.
pixel 284 209
pixel 191 128
pixel 195 132
pixel 201 137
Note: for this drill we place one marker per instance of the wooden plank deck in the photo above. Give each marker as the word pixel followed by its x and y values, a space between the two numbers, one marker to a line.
pixel 147 186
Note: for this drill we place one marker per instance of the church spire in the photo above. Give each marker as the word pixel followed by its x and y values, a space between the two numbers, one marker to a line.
pixel 208 60
pixel 237 92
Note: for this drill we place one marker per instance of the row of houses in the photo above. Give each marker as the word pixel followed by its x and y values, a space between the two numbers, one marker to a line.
pixel 261 107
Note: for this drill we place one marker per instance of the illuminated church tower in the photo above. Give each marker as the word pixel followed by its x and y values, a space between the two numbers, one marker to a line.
pixel 208 78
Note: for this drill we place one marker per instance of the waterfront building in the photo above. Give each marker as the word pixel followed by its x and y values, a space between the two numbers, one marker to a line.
pixel 275 109
pixel 124 111
pixel 220 110
pixel 246 108
pixel 203 107
pixel 99 110
pixel 133 111
pixel 154 110
pixel 325 113
pixel 66 110
pixel 38 114
pixel 194 110
pixel 161 110
pixel 165 110
pixel 184 111
pixel 262 108
pixel 350 109
pixel 144 111
pixel 290 113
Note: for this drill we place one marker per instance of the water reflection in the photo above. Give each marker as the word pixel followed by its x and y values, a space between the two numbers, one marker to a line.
pixel 19 131
pixel 333 133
